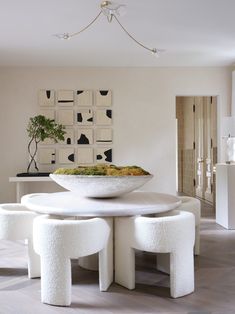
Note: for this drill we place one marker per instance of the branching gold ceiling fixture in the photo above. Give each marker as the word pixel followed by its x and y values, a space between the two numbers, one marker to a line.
pixel 112 11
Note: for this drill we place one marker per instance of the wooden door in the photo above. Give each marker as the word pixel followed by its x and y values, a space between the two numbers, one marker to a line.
pixel 205 146
pixel 210 146
pixel 199 146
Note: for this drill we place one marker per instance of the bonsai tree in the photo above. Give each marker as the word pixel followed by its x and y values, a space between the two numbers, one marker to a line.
pixel 41 128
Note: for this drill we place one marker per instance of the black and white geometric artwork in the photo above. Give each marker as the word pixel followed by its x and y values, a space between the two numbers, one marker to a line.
pixel 103 98
pixel 46 98
pixel 85 136
pixel 46 156
pixel 104 117
pixel 84 97
pixel 104 136
pixel 68 137
pixel 65 97
pixel 85 117
pixel 104 155
pixel 66 155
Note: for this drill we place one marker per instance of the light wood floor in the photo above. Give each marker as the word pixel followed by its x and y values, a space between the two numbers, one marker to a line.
pixel 214 278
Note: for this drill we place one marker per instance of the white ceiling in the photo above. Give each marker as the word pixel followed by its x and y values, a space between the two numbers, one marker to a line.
pixel 193 32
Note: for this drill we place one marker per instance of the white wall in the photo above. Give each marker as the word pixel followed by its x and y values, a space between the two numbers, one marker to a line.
pixel 144 112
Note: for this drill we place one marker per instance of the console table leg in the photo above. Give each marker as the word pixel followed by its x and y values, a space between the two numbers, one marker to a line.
pixel 20 191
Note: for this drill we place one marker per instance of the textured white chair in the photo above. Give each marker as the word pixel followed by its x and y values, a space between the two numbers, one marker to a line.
pixel 193 205
pixel 172 234
pixel 16 223
pixel 57 241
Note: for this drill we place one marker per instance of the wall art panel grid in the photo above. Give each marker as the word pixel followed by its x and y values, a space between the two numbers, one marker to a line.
pixel 88 119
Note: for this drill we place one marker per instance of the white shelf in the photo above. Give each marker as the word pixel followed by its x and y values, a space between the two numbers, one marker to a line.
pixel 26 185
pixel 30 179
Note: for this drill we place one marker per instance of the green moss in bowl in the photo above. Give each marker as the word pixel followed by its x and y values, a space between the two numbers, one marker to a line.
pixel 104 170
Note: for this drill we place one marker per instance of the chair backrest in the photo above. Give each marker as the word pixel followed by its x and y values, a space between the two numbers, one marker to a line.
pixel 163 233
pixel 16 221
pixel 76 238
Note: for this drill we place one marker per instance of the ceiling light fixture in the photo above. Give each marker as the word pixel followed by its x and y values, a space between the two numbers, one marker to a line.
pixel 112 11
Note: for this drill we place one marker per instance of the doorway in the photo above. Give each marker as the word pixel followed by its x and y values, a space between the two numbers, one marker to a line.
pixel 197 145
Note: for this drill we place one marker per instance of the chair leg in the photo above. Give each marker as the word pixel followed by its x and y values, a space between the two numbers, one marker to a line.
pixel 181 272
pixel 106 261
pixel 34 267
pixel 197 241
pixel 56 280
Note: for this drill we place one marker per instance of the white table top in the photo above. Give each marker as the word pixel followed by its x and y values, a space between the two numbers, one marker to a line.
pixel 68 204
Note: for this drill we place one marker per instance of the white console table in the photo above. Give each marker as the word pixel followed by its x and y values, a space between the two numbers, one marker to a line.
pixel 26 185
pixel 225 195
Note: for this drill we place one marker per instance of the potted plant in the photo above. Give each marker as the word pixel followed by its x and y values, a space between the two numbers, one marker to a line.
pixel 39 129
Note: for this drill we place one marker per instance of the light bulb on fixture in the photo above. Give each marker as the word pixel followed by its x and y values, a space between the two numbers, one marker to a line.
pixel 155 52
pixel 111 11
pixel 64 36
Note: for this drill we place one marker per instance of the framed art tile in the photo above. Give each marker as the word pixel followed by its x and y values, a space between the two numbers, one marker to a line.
pixel 104 155
pixel 46 98
pixel 48 141
pixel 85 156
pixel 103 117
pixel 84 117
pixel 68 137
pixel 103 98
pixel 84 97
pixel 46 156
pixel 48 113
pixel 84 136
pixel 66 155
pixel 104 136
pixel 65 97
pixel 65 116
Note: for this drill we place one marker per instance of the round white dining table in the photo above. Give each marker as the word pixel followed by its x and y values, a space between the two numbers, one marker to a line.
pixel 69 204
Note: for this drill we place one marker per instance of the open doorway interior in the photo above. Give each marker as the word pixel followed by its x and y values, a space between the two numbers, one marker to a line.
pixel 197 146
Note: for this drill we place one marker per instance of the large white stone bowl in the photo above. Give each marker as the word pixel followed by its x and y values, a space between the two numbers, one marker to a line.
pixel 100 186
